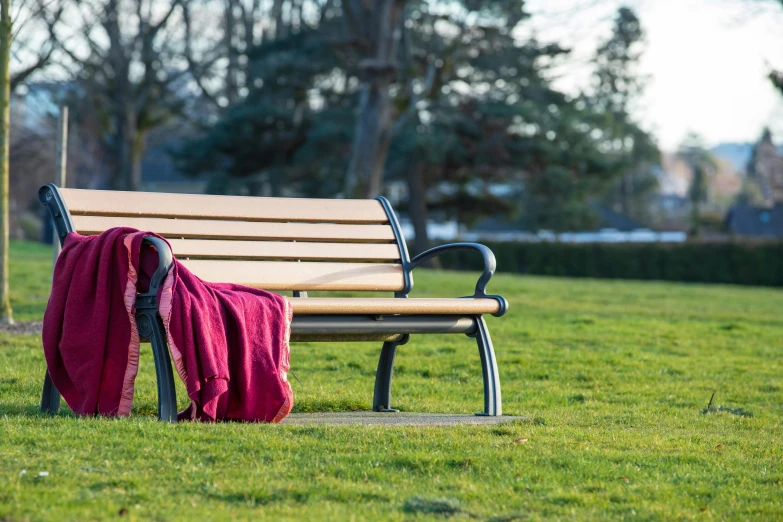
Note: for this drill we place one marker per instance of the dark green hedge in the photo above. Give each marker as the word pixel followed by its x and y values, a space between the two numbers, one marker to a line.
pixel 731 263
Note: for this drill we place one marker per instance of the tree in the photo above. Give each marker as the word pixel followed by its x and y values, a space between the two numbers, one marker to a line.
pixel 618 85
pixel 377 28
pixel 33 36
pixel 218 54
pixel 776 77
pixel 10 25
pixel 267 138
pixel 127 55
pixel 703 166
pixel 473 118
pixel 461 67
pixel 492 137
pixel 6 32
pixel 362 40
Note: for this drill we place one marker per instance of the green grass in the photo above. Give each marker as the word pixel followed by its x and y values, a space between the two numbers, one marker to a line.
pixel 613 377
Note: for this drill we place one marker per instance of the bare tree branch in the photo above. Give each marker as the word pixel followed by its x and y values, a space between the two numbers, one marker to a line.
pixel 165 20
pixel 46 50
pixel 20 76
pixel 33 14
pixel 197 70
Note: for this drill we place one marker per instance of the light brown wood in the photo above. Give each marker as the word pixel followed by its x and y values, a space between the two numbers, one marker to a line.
pixel 239 208
pixel 201 248
pixel 191 228
pixel 290 275
pixel 337 338
pixel 392 306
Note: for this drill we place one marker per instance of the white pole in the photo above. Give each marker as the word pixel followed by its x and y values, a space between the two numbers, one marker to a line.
pixel 61 164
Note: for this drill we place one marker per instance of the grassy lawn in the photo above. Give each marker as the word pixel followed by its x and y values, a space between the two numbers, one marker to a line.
pixel 613 377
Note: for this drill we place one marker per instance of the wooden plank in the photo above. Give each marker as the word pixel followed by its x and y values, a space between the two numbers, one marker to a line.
pixel 206 229
pixel 239 208
pixel 200 248
pixel 339 338
pixel 392 306
pixel 290 275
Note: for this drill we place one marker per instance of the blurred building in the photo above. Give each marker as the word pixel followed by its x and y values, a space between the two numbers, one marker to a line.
pixel 766 166
pixel 613 227
pixel 759 223
pixel 763 217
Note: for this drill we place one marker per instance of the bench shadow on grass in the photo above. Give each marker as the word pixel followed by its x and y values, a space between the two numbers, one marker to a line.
pixel 31 411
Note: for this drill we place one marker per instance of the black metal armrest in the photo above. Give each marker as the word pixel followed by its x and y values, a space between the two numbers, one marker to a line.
pixel 165 262
pixel 489 268
pixel 150 326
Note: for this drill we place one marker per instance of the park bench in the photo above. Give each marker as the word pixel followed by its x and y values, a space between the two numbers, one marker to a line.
pixel 288 244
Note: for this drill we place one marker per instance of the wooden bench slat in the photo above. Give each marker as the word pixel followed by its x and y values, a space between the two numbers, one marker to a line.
pixel 204 229
pixel 343 338
pixel 199 248
pixel 291 275
pixel 239 208
pixel 392 306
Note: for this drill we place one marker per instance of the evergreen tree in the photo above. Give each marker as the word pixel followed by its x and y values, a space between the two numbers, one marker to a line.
pixel 776 77
pixel 703 166
pixel 618 85
pixel 475 122
pixel 292 129
pixel 492 136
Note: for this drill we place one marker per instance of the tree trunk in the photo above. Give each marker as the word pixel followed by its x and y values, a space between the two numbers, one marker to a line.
pixel 696 219
pixel 277 15
pixel 6 315
pixel 137 154
pixel 625 193
pixel 419 214
pixel 370 145
pixel 374 118
pixel 232 70
pixel 417 208
pixel 276 184
pixel 126 175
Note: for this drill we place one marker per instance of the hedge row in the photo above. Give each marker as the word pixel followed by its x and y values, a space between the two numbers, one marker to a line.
pixel 732 263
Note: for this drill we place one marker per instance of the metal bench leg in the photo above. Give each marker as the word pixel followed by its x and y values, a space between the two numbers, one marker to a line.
pixel 383 376
pixel 150 326
pixel 50 398
pixel 489 368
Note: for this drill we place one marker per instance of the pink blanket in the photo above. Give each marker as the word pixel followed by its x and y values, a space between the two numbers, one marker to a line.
pixel 229 343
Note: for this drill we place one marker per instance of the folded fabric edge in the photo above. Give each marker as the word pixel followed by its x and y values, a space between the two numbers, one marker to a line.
pixel 285 364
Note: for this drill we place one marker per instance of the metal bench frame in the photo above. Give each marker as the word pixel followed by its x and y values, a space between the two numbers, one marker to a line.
pixel 394 330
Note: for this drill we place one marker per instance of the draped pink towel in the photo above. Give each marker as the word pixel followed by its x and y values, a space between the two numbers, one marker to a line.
pixel 229 343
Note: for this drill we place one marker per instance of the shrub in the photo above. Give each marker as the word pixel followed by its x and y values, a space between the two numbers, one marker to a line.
pixel 731 263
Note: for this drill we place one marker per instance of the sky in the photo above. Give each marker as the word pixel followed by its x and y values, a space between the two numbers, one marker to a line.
pixel 707 62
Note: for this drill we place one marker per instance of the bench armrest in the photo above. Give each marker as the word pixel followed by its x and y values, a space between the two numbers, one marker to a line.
pixel 489 268
pixel 165 261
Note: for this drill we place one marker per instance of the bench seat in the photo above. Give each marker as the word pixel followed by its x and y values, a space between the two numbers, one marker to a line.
pixel 392 306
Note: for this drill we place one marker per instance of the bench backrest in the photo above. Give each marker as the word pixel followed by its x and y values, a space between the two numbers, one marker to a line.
pixel 271 243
